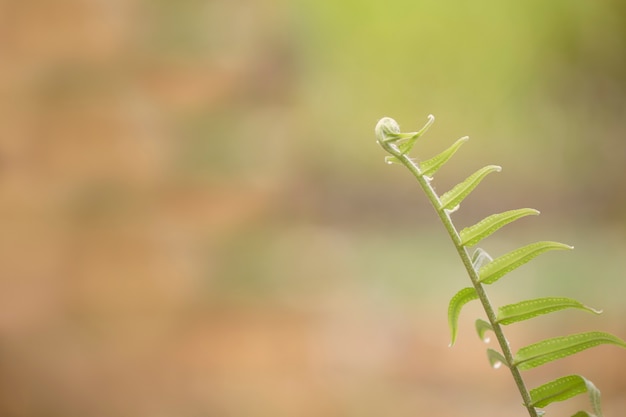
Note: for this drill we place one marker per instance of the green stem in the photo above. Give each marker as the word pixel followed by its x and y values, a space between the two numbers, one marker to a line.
pixel 445 218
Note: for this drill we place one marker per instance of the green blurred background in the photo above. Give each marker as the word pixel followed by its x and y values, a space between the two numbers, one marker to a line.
pixel 197 221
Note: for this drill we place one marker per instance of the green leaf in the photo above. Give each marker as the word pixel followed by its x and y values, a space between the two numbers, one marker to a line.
pixel 494 270
pixel 454 309
pixel 528 309
pixel 474 234
pixel 406 147
pixel 550 350
pixel 584 414
pixel 432 165
pixel 480 258
pixel 564 388
pixel 560 389
pixel 392 160
pixel 482 327
pixel 453 198
pixel 496 359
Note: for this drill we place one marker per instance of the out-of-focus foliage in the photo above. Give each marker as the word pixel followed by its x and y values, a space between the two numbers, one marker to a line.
pixel 196 219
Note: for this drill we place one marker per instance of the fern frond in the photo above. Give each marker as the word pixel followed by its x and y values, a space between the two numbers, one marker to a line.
pixel 482 269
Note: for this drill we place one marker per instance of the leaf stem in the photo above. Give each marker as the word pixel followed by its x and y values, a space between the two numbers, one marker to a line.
pixel 444 216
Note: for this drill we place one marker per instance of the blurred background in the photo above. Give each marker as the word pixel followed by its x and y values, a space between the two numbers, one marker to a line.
pixel 196 219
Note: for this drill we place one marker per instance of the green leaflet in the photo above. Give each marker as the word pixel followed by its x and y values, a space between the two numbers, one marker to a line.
pixel 432 165
pixel 453 198
pixel 494 270
pixel 392 160
pixel 480 258
pixel 454 309
pixel 496 359
pixel 550 350
pixel 584 414
pixel 482 327
pixel 406 147
pixel 563 388
pixel 474 234
pixel 528 309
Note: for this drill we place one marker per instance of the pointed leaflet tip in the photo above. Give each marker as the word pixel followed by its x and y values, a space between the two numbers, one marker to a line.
pixel 473 234
pixel 506 263
pixel 555 348
pixel 529 309
pixel 406 147
pixel 454 309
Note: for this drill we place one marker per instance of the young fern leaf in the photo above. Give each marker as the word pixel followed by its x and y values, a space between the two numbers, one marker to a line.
pixel 501 266
pixel 564 388
pixel 453 198
pixel 482 327
pixel 528 309
pixel 411 138
pixel 480 258
pixel 454 309
pixel 388 132
pixel 555 348
pixel 496 359
pixel 432 165
pixel 473 234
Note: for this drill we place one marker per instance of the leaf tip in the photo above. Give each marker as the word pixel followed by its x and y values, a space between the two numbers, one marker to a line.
pixel 564 246
pixel 453 330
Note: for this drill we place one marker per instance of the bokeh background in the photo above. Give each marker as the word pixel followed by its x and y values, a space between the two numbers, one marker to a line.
pixel 196 219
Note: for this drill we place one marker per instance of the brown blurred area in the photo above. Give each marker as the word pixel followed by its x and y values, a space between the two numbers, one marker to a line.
pixel 122 208
pixel 103 247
